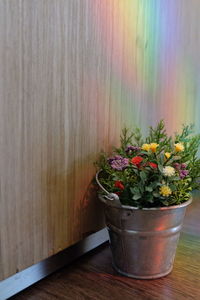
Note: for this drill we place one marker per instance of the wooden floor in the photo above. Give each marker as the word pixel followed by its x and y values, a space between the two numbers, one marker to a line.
pixel 93 278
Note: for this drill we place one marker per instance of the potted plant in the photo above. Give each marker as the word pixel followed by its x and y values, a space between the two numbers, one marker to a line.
pixel 145 186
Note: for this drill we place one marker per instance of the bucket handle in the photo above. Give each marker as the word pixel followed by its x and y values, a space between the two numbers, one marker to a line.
pixel 109 198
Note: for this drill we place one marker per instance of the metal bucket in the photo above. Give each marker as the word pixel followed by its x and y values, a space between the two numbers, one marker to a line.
pixel 143 241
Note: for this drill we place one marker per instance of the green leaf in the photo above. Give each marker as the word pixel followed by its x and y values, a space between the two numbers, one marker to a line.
pixel 162 158
pixel 141 187
pixel 143 175
pixel 135 190
pixel 135 170
pixel 148 189
pixel 156 195
pixel 160 168
pixel 149 198
pixel 154 184
pixel 145 153
pixel 115 177
pixel 176 157
pixel 165 202
pixel 169 162
pixel 136 197
pixel 172 187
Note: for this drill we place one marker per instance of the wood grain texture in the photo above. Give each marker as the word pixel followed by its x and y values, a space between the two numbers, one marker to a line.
pixel 48 141
pixel 92 276
pixel 71 73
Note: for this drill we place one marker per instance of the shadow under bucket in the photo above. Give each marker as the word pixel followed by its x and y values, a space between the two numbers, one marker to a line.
pixel 143 241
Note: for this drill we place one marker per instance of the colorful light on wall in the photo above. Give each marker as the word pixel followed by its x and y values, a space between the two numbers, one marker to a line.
pixel 153 74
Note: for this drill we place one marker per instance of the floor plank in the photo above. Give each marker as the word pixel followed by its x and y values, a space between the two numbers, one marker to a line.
pixel 92 277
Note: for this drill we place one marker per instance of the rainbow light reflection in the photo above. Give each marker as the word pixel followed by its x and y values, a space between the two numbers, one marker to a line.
pixel 153 75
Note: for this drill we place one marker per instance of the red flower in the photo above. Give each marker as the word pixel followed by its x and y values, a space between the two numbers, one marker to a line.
pixel 119 185
pixel 136 160
pixel 153 165
pixel 118 193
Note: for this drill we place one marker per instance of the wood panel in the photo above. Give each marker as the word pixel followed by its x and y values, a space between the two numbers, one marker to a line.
pixel 48 140
pixel 71 73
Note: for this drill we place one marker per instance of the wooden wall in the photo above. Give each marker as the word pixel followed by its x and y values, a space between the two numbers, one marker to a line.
pixel 71 73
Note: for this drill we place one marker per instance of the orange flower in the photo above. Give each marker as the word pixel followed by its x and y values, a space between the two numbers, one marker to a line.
pixel 167 155
pixel 146 147
pixel 119 185
pixel 153 165
pixel 153 147
pixel 179 147
pixel 136 160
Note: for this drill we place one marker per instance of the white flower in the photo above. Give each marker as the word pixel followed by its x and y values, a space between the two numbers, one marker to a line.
pixel 168 171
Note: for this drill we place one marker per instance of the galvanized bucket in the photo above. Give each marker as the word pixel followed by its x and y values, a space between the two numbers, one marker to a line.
pixel 143 241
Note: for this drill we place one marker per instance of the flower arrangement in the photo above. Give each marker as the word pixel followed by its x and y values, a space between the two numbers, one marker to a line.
pixel 157 171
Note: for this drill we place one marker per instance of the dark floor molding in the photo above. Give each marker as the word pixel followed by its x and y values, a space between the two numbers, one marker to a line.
pixel 31 275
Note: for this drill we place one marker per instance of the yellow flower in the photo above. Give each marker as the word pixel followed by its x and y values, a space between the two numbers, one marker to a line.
pixel 167 155
pixel 168 171
pixel 153 147
pixel 179 147
pixel 165 191
pixel 146 147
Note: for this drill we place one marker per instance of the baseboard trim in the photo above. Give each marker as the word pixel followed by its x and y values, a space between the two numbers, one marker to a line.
pixel 31 275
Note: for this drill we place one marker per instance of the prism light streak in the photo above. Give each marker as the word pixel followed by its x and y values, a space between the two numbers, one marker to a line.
pixel 152 76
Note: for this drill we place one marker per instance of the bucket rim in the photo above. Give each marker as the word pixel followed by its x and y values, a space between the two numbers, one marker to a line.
pixel 181 205
pixel 184 204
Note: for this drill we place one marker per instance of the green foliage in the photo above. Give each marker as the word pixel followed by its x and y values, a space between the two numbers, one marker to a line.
pixel 158 135
pixel 181 191
pixel 157 171
pixel 126 138
pixel 137 137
